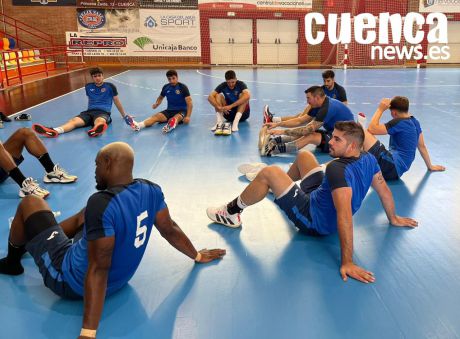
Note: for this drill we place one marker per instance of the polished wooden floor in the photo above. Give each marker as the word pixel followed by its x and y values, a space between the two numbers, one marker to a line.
pixel 18 98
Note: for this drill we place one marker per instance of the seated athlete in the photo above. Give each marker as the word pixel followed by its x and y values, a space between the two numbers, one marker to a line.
pixel 231 101
pixel 179 105
pixel 324 203
pixel 11 157
pixel 330 87
pixel 405 137
pixel 319 121
pixel 110 236
pixel 100 95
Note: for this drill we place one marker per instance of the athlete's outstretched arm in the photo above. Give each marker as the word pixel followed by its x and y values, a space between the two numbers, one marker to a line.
pixel 158 102
pixel 119 106
pixel 303 131
pixel 342 202
pixel 99 262
pixel 386 197
pixel 426 156
pixel 177 238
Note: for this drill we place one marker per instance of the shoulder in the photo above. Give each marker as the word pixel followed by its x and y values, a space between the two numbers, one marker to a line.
pixel 110 85
pixel 241 84
pixel 393 122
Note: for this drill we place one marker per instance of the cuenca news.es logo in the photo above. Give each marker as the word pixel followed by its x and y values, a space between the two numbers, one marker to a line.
pixel 376 31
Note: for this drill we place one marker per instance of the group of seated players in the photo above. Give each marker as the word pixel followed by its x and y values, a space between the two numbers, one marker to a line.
pixel 95 252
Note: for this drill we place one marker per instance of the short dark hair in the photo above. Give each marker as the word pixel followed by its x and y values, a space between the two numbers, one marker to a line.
pixel 400 104
pixel 229 75
pixel 352 129
pixel 171 73
pixel 95 70
pixel 328 74
pixel 315 90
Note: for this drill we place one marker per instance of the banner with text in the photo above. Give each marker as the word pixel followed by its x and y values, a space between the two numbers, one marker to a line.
pixel 108 20
pixel 443 6
pixel 108 3
pixel 170 4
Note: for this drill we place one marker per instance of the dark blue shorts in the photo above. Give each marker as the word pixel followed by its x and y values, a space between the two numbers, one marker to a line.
pixel 4 174
pixel 296 203
pixel 169 113
pixel 325 138
pixel 48 249
pixel 385 161
pixel 90 116
pixel 232 113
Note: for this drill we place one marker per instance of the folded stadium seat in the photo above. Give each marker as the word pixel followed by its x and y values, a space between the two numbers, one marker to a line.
pixel 37 54
pixel 31 55
pixel 6 44
pixel 20 58
pixel 25 56
pixel 7 59
pixel 12 43
pixel 12 58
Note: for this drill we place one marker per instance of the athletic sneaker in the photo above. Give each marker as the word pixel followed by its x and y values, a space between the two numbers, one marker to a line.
pixel 97 131
pixel 221 216
pixel 263 137
pixel 59 176
pixel 170 125
pixel 30 187
pixel 219 129
pixel 1 124
pixel 48 132
pixel 4 118
pixel 227 129
pixel 268 117
pixel 252 167
pixel 130 122
pixel 269 148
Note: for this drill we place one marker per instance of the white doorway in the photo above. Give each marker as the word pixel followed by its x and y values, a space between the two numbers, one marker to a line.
pixel 277 42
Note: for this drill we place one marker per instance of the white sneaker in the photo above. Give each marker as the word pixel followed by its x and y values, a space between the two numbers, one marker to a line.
pixel 269 148
pixel 30 187
pixel 263 137
pixel 235 128
pixel 252 167
pixel 135 126
pixel 219 129
pixel 226 129
pixel 221 216
pixel 59 175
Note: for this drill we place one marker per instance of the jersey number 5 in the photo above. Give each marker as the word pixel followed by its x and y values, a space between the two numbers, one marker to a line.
pixel 141 230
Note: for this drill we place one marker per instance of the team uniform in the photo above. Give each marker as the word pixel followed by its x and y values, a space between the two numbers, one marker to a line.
pixel 311 207
pixel 126 212
pixel 175 96
pixel 100 100
pixel 337 93
pixel 404 135
pixel 329 113
pixel 231 96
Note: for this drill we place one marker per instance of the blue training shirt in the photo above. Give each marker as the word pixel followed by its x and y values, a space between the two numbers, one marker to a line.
pixel 176 96
pixel 100 98
pixel 357 173
pixel 126 212
pixel 231 95
pixel 337 92
pixel 330 112
pixel 404 134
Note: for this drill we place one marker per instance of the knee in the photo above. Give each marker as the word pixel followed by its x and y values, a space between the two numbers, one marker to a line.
pixel 23 133
pixel 270 172
pixel 32 202
pixel 305 156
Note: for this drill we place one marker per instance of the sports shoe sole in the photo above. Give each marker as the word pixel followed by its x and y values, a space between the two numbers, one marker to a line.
pixel 46 132
pixel 252 167
pixel 97 131
pixel 262 136
pixel 46 180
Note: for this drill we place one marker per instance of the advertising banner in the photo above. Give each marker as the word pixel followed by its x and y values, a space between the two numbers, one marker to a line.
pixel 227 4
pixel 44 2
pixel 169 4
pixel 98 44
pixel 100 20
pixel 108 3
pixel 284 4
pixel 443 6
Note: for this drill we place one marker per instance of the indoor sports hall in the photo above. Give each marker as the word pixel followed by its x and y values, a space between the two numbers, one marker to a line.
pixel 274 281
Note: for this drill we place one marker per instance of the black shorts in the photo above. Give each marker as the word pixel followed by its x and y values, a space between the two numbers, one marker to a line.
pixel 90 116
pixel 230 116
pixel 385 161
pixel 48 246
pixel 169 113
pixel 325 138
pixel 296 203
pixel 4 174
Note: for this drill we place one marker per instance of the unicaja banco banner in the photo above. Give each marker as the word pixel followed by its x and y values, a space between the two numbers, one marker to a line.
pixel 390 36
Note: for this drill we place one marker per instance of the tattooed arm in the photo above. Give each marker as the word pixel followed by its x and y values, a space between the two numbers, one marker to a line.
pixel 306 130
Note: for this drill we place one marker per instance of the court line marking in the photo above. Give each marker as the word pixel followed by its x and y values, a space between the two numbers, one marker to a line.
pixel 346 86
pixel 45 102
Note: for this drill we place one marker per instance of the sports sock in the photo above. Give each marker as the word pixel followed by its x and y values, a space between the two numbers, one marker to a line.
pixel 291 147
pixel 141 125
pixel 276 119
pixel 220 118
pixel 60 130
pixel 11 264
pixel 46 162
pixel 17 176
pixel 236 206
pixel 362 119
pixel 236 121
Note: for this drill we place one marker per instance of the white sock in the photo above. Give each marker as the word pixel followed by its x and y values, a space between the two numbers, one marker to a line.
pixel 241 203
pixel 276 119
pixel 60 130
pixel 141 125
pixel 362 119
pixel 236 121
pixel 219 117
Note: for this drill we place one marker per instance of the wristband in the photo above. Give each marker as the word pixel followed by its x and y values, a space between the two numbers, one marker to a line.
pixel 88 333
pixel 198 257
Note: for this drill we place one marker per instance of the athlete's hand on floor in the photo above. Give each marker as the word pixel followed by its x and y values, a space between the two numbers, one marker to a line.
pixel 186 120
pixel 210 255
pixel 403 222
pixel 436 168
pixel 354 271
pixel 155 105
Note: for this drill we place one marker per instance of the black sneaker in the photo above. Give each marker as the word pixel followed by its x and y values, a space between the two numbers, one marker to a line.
pixel 4 118
pixel 23 117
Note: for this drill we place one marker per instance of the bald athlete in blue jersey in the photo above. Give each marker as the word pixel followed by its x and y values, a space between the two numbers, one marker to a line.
pixel 405 138
pixel 110 236
pixel 323 203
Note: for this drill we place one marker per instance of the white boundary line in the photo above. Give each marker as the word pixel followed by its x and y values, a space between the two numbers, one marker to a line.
pixel 347 86
pixel 44 102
